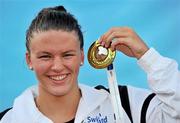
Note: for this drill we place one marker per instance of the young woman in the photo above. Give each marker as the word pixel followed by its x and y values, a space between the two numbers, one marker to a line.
pixel 54 44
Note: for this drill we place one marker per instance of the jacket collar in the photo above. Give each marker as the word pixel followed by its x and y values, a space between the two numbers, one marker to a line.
pixel 90 100
pixel 25 110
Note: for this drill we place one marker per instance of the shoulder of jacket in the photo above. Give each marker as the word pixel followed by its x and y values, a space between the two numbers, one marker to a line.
pixel 5 115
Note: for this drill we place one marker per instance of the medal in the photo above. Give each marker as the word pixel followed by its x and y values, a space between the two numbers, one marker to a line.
pixel 100 57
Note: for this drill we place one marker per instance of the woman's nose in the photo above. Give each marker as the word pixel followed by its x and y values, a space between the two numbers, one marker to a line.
pixel 57 65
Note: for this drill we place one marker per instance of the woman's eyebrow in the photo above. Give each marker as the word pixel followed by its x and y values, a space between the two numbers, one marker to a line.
pixel 42 52
pixel 70 51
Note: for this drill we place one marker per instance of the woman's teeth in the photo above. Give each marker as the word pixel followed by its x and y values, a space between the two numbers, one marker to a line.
pixel 58 78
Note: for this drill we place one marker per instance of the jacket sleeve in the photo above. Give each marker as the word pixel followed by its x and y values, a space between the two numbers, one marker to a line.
pixel 164 80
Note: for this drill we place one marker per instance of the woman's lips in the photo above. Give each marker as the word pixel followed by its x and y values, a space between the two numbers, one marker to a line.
pixel 58 79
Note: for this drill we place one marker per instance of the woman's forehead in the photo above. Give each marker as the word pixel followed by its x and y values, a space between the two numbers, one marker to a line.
pixel 55 40
pixel 49 34
pixel 54 37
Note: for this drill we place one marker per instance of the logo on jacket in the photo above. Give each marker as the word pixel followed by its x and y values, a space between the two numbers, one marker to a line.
pixel 97 119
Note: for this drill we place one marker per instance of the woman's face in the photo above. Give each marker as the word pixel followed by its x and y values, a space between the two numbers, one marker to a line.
pixel 55 57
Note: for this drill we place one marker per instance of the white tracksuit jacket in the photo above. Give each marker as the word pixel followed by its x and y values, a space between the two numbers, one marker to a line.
pixel 95 105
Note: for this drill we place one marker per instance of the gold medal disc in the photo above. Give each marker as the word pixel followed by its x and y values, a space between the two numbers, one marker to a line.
pixel 100 57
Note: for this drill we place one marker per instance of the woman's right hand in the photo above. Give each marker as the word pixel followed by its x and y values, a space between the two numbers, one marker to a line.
pixel 124 39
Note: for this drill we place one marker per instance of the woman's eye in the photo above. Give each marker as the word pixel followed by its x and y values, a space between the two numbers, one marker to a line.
pixel 68 55
pixel 44 57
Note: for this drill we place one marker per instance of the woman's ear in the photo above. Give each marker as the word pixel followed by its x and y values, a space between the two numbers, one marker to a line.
pixel 28 60
pixel 82 57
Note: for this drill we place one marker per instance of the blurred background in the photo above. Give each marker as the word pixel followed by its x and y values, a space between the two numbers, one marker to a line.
pixel 156 21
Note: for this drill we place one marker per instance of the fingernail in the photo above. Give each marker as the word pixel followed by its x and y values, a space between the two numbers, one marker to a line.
pixel 102 43
pixel 106 46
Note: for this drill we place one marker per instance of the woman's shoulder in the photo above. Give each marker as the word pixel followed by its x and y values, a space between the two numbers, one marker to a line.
pixel 5 116
pixel 21 103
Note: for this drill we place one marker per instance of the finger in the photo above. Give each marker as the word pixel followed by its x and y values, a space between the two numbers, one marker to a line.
pixel 115 35
pixel 106 35
pixel 110 31
pixel 114 32
pixel 120 44
pixel 125 50
pixel 101 41
pixel 116 42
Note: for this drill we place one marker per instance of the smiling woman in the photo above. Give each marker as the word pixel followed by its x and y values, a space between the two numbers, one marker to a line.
pixel 55 57
pixel 54 43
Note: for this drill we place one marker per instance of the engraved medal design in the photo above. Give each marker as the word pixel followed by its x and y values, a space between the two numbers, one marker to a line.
pixel 100 57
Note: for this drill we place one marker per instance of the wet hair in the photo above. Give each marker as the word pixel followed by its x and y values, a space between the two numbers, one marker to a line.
pixel 55 18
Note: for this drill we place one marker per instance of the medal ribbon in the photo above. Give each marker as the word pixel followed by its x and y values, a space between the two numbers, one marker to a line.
pixel 115 96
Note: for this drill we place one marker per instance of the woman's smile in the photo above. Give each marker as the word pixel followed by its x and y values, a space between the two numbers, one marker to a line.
pixel 58 79
pixel 57 62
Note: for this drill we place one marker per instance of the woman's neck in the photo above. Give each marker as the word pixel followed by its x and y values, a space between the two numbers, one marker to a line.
pixel 59 108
